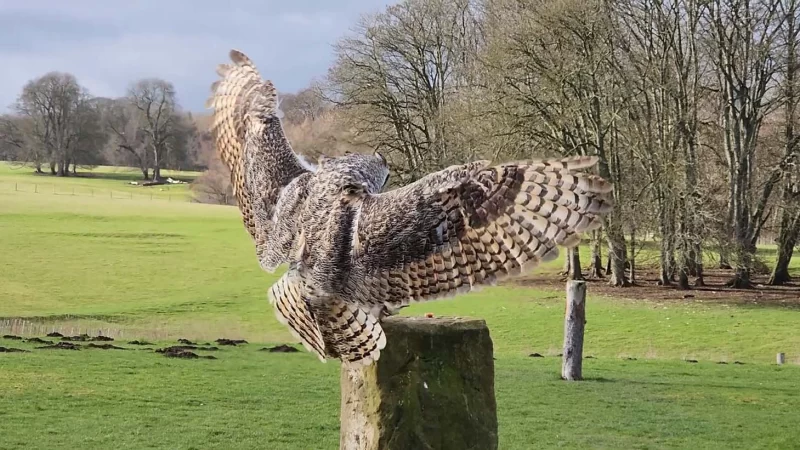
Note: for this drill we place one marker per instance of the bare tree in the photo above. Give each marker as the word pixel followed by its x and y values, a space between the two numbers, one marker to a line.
pixel 214 186
pixel 306 105
pixel 790 178
pixel 742 38
pixel 660 66
pixel 123 121
pixel 158 119
pixel 398 76
pixel 552 70
pixel 13 141
pixel 59 113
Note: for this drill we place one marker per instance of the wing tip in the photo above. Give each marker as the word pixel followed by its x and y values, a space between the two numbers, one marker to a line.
pixel 239 58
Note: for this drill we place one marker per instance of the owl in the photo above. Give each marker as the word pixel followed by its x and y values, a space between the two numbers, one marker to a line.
pixel 357 252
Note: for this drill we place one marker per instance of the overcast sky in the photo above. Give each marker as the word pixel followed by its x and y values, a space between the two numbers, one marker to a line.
pixel 107 44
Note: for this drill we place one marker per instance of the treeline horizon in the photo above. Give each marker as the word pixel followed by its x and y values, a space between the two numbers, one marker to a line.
pixel 690 106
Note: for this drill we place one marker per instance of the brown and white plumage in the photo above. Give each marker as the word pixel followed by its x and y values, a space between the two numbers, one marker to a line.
pixel 357 255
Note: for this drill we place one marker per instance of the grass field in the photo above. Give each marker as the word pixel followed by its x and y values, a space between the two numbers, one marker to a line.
pixel 102 181
pixel 163 271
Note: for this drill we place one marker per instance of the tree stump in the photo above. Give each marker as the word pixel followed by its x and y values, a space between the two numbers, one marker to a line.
pixel 432 388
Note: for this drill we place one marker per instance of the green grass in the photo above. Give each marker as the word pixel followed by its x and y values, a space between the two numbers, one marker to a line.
pixel 102 181
pixel 164 270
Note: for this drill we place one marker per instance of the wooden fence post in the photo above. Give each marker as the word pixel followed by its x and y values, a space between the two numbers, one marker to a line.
pixel 781 358
pixel 433 387
pixel 574 322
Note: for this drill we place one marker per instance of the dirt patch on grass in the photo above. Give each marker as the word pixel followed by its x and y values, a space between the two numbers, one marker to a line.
pixel 55 334
pixel 176 348
pixel 186 342
pixel 105 346
pixel 714 291
pixel 12 350
pixel 12 337
pixel 139 343
pixel 77 338
pixel 61 346
pixel 283 348
pixel 224 341
pixel 37 340
pixel 180 352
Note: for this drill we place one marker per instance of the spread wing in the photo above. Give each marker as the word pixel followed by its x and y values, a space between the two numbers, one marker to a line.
pixel 471 225
pixel 250 140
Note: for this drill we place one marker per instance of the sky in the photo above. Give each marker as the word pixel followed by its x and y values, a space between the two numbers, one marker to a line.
pixel 107 44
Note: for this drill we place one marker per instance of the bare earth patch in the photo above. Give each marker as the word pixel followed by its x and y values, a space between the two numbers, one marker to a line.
pixel 283 348
pixel 714 291
pixel 12 350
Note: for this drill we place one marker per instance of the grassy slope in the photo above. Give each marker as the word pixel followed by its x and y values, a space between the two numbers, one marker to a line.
pixel 181 269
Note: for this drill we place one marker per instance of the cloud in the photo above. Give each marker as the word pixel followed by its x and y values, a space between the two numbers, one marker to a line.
pixel 108 45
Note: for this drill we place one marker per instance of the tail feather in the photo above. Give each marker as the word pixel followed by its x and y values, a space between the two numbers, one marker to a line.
pixel 291 308
pixel 352 332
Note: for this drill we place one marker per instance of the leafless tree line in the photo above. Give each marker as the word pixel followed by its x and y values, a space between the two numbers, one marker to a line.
pixel 57 123
pixel 690 106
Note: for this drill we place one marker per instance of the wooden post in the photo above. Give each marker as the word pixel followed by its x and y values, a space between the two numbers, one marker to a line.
pixel 574 322
pixel 781 358
pixel 433 387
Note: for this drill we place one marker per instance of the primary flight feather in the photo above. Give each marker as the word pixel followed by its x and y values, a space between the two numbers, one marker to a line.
pixel 356 255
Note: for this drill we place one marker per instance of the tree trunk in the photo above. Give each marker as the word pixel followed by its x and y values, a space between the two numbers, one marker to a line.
pixel 156 165
pixel 665 277
pixel 616 257
pixel 697 252
pixel 787 239
pixel 53 168
pixel 724 258
pixel 574 264
pixel 632 259
pixel 666 225
pixel 63 170
pixel 596 266
pixel 741 279
pixel 683 279
pixel 744 255
pixel 790 219
pixel 145 173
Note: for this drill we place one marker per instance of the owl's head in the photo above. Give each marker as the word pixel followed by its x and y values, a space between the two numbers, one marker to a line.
pixel 358 173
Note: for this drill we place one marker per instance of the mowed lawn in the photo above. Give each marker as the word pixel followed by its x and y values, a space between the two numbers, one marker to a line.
pixel 166 270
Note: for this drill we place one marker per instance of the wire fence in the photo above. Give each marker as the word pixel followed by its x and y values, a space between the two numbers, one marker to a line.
pixel 27 328
pixel 160 192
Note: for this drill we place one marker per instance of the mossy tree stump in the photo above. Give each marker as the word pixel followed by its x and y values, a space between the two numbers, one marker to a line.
pixel 432 388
